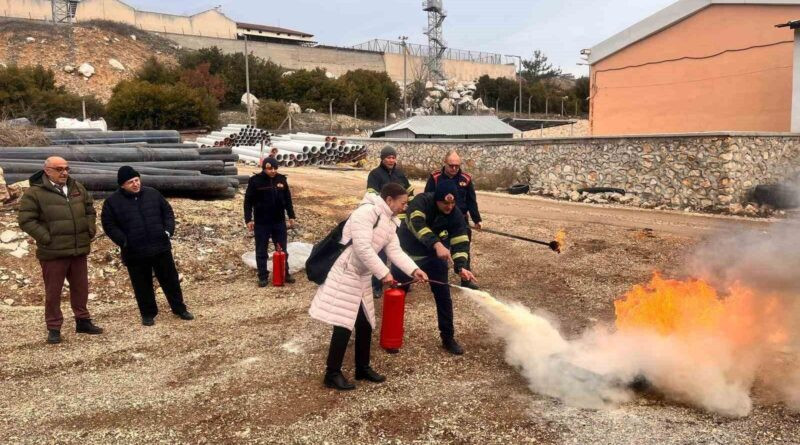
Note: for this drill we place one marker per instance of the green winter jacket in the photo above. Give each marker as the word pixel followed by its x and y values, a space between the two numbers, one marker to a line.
pixel 61 227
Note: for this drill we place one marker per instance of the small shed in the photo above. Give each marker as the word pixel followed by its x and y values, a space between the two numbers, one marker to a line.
pixel 447 127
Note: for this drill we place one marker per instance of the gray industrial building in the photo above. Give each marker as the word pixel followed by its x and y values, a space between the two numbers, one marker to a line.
pixel 447 127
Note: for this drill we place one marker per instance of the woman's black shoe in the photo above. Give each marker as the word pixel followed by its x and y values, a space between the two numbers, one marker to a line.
pixel 336 380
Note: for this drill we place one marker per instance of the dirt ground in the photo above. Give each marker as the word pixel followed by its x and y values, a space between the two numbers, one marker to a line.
pixel 249 368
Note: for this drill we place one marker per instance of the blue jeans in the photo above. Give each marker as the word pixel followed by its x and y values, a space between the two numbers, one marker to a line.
pixel 263 233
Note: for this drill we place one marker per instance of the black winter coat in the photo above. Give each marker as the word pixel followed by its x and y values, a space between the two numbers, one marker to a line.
pixel 141 223
pixel 268 198
pixel 380 176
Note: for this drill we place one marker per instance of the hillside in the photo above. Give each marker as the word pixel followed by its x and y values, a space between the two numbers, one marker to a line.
pixel 31 43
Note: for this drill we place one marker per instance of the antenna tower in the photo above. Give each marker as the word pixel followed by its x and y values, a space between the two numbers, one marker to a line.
pixel 436 43
pixel 64 10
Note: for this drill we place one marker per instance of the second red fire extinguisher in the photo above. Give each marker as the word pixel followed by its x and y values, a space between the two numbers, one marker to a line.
pixel 394 304
pixel 278 266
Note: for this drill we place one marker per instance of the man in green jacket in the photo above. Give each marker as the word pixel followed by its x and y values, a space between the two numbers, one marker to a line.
pixel 58 213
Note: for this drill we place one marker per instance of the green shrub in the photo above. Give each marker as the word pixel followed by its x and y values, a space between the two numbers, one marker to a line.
pixel 31 92
pixel 371 88
pixel 313 89
pixel 265 78
pixel 212 56
pixel 154 71
pixel 138 105
pixel 271 114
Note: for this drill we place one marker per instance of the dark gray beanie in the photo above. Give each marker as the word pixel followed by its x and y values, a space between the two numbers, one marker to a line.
pixel 126 173
pixel 388 151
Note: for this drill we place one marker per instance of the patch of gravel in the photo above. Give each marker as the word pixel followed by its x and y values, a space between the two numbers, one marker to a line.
pixel 249 368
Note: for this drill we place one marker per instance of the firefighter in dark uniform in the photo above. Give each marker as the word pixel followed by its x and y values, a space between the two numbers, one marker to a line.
pixel 466 200
pixel 379 176
pixel 268 197
pixel 434 234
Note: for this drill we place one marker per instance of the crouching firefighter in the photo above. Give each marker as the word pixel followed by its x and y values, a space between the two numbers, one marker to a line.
pixel 434 234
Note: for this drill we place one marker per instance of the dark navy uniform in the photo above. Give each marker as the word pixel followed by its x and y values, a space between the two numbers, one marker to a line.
pixel 425 225
pixel 270 200
pixel 466 201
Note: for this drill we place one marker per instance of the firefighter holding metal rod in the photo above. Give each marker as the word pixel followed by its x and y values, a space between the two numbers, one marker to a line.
pixel 466 200
pixel 434 235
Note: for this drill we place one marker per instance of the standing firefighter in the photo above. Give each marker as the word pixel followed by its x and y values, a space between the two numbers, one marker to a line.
pixel 141 222
pixel 269 198
pixel 59 214
pixel 386 173
pixel 433 235
pixel 466 200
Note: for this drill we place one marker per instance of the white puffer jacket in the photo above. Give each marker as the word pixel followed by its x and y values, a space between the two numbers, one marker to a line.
pixel 349 284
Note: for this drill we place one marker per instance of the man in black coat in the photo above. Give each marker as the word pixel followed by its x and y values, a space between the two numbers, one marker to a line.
pixel 141 222
pixel 267 202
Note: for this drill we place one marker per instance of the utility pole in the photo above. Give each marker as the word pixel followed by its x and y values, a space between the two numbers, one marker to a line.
pixel 247 82
pixel 405 87
pixel 330 111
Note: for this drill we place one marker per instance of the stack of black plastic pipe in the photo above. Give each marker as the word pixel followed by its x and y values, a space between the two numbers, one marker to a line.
pixel 175 169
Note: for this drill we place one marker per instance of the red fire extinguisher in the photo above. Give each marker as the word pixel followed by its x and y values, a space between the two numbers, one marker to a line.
pixel 394 305
pixel 278 266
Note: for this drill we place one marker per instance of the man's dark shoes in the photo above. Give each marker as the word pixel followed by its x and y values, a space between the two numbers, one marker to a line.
pixel 452 346
pixel 53 336
pixel 289 279
pixel 263 283
pixel 185 315
pixel 148 321
pixel 85 326
pixel 337 381
pixel 470 285
pixel 369 374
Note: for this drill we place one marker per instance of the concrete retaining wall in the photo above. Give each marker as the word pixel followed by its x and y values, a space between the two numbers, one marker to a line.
pixel 293 57
pixel 341 60
pixel 711 172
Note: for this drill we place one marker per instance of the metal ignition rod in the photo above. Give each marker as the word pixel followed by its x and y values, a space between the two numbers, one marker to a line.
pixel 426 281
pixel 554 245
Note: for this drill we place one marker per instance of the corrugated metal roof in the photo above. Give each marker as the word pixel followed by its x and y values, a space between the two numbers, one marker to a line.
pixel 450 126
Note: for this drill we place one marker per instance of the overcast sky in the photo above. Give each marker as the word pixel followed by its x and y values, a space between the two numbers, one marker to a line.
pixel 560 28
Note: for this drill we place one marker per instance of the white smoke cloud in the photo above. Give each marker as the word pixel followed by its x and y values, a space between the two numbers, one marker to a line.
pixel 598 369
pixel 712 370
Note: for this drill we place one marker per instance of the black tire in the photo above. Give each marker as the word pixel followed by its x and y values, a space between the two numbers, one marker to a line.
pixel 519 189
pixel 779 196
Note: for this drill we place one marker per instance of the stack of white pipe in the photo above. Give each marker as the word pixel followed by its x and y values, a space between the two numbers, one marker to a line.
pixel 300 149
pixel 234 135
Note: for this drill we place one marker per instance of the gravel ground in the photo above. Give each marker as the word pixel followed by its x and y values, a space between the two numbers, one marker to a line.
pixel 249 368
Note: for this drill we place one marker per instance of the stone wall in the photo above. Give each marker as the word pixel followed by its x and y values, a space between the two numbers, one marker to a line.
pixel 710 172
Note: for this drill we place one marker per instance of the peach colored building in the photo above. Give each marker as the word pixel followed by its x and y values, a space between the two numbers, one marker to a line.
pixel 697 66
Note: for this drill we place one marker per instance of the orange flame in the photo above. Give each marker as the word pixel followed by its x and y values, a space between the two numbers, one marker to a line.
pixel 561 239
pixel 694 307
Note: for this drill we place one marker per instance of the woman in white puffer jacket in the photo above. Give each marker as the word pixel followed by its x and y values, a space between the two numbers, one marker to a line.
pixel 345 299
